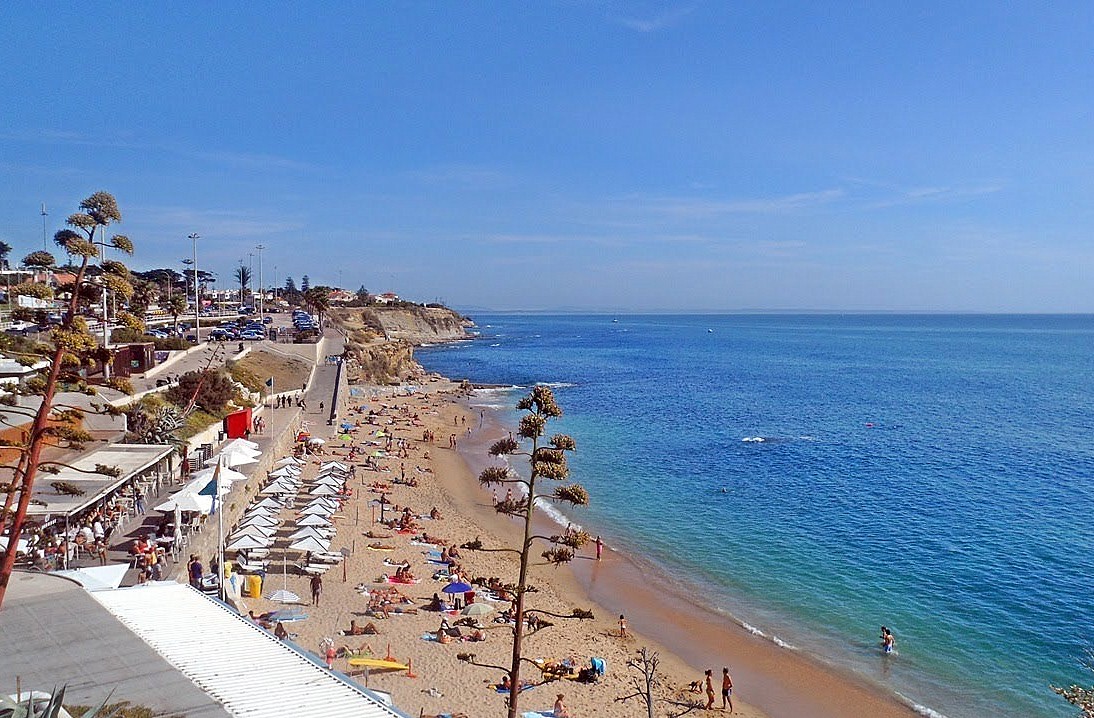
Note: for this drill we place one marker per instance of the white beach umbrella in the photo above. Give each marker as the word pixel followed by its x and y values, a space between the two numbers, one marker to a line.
pixel 333 483
pixel 279 488
pixel 269 502
pixel 255 510
pixel 237 457
pixel 241 443
pixel 187 501
pixel 227 476
pixel 313 520
pixel 288 461
pixel 259 520
pixel 247 542
pixel 309 531
pixel 323 490
pixel 254 530
pixel 332 465
pixel 310 543
pixel 324 501
pixel 316 511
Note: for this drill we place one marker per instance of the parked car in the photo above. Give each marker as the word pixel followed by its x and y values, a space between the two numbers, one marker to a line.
pixel 251 335
pixel 221 335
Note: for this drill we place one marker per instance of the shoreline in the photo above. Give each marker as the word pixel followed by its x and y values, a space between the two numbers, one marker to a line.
pixel 778 682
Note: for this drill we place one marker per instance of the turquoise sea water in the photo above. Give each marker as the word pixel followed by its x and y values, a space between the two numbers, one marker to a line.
pixel 930 473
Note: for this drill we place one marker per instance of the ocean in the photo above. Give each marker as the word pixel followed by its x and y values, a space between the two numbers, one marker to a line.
pixel 833 473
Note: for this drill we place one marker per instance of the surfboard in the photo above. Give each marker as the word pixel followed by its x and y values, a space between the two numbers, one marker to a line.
pixel 376 663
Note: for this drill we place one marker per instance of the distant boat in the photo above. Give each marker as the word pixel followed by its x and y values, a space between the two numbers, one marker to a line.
pixel 616 321
pixel 710 331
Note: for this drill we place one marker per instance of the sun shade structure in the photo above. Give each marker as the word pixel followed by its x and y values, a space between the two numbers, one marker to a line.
pixel 247 542
pixel 313 520
pixel 273 682
pixel 186 501
pixel 288 461
pixel 310 543
pixel 232 458
pixel 227 476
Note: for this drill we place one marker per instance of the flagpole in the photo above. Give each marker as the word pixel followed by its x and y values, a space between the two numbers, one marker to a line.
pixel 220 531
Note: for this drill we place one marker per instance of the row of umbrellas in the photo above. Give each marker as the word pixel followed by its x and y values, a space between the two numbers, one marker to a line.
pixel 198 494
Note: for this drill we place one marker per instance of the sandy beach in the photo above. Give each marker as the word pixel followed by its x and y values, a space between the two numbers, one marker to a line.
pixel 687 638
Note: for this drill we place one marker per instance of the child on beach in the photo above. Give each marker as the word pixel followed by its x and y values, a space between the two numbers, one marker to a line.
pixel 709 685
pixel 622 626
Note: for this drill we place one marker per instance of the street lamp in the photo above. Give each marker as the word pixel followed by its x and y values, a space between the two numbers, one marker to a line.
pixel 261 291
pixel 194 237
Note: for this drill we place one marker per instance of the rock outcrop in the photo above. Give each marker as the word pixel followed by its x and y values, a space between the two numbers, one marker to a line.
pixel 380 340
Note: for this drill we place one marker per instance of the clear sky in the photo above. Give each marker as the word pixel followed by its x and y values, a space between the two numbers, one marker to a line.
pixel 564 154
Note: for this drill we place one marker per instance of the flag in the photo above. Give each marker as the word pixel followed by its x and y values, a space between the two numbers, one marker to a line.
pixel 269 382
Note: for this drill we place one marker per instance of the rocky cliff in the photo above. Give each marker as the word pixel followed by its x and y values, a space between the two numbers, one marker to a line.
pixel 380 340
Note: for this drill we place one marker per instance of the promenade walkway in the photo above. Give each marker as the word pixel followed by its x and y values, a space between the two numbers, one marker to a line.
pixel 282 426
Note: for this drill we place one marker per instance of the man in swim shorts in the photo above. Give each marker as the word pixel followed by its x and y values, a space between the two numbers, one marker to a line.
pixel 727 690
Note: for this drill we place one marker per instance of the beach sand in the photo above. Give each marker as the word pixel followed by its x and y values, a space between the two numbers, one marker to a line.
pixel 687 638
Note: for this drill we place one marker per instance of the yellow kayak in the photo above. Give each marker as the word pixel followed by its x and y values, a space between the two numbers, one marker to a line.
pixel 376 663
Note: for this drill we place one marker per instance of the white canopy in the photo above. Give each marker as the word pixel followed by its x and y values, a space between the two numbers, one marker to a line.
pixel 227 476
pixel 310 543
pixel 316 511
pixel 246 541
pixel 310 531
pixel 187 501
pixel 324 490
pixel 313 520
pixel 237 457
pixel 289 461
pixel 332 464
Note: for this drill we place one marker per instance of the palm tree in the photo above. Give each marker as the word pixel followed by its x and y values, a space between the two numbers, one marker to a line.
pixel 176 305
pixel 318 298
pixel 243 276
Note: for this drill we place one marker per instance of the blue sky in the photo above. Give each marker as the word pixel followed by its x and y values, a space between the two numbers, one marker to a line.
pixel 577 155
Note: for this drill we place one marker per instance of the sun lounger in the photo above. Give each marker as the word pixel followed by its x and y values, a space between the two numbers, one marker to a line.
pixel 314 569
pixel 328 557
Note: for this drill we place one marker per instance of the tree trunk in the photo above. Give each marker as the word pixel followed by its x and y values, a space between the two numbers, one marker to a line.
pixel 518 631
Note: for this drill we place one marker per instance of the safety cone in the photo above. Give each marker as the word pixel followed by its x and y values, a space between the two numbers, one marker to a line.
pixel 410 668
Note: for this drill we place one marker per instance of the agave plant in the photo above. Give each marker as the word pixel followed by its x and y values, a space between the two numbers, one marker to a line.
pixel 41 705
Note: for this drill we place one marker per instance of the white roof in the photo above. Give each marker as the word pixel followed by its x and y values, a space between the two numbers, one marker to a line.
pixel 261 677
pixel 131 459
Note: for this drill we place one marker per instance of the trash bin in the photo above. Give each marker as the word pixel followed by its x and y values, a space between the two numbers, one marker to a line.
pixel 254 587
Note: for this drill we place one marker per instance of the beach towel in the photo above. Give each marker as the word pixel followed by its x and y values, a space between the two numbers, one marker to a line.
pixel 549 713
pixel 429 637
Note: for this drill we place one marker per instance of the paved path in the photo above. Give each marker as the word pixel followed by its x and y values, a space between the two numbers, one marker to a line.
pixel 282 426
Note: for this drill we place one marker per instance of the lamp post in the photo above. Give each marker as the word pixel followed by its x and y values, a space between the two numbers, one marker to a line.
pixel 194 237
pixel 261 291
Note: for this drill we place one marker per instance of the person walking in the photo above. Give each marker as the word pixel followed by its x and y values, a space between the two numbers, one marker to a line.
pixel 599 547
pixel 316 589
pixel 195 571
pixel 727 690
pixel 622 626
pixel 709 686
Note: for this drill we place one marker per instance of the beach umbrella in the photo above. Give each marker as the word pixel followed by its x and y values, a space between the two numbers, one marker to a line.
pixel 286 616
pixel 247 542
pixel 283 472
pixel 316 441
pixel 186 501
pixel 255 510
pixel 477 609
pixel 456 587
pixel 324 501
pixel 263 532
pixel 310 543
pixel 316 510
pixel 288 461
pixel 259 520
pixel 332 464
pixel 278 487
pixel 227 476
pixel 232 458
pixel 283 595
pixel 245 444
pixel 309 531
pixel 345 437
pixel 324 490
pixel 269 502
pixel 313 520
pixel 329 481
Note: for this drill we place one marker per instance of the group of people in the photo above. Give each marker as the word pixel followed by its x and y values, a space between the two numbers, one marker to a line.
pixel 727 689
pixel 285 401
